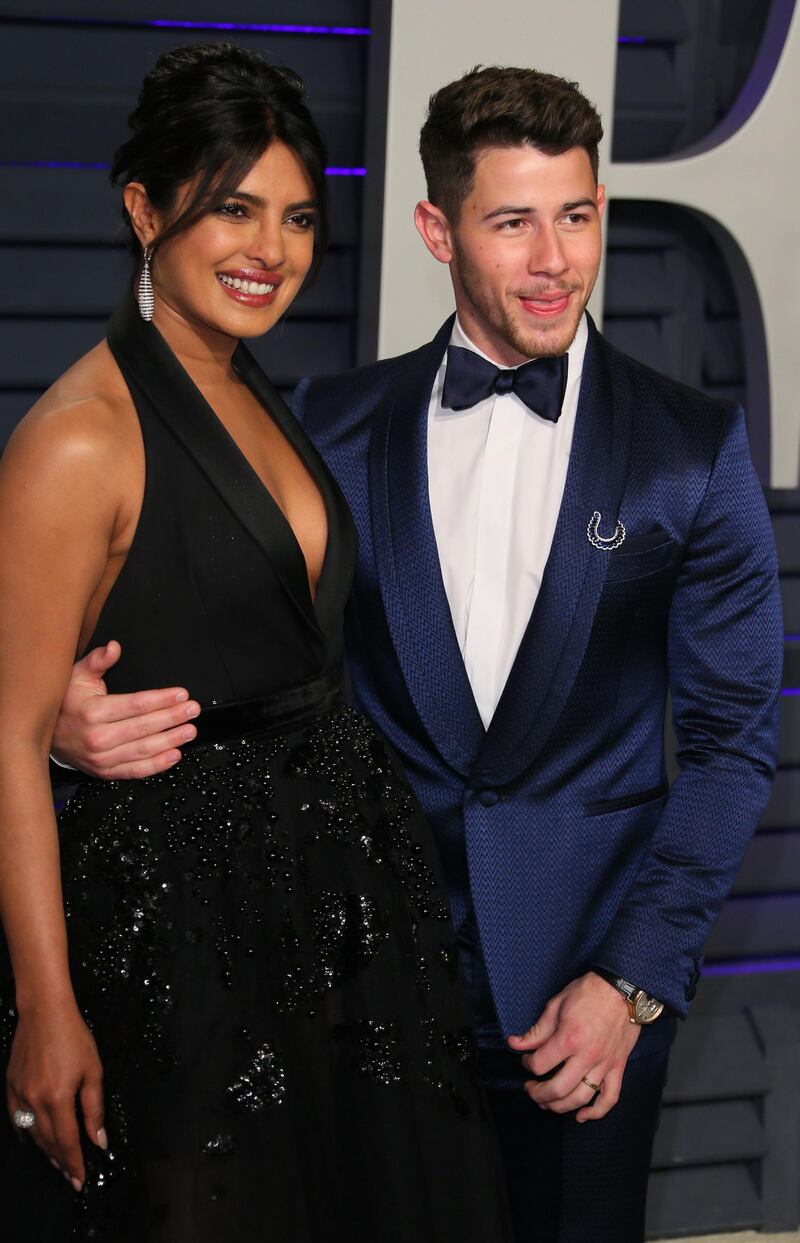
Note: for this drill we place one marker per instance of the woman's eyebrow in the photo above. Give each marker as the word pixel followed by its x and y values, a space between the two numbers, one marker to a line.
pixel 257 201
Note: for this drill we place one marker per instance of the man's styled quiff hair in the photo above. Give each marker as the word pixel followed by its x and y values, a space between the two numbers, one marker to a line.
pixel 500 107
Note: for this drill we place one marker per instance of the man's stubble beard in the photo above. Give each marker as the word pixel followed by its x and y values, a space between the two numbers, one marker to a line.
pixel 543 342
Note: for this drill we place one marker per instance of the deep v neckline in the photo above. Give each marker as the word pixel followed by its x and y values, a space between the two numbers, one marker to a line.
pixel 145 356
pixel 282 423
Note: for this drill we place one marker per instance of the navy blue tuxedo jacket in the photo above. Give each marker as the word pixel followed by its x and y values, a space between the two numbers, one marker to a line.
pixel 558 820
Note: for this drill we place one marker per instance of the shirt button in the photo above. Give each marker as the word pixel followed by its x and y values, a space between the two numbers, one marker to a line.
pixel 488 798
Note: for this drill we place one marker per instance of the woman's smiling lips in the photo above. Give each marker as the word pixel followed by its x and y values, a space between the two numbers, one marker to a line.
pixel 548 306
pixel 249 286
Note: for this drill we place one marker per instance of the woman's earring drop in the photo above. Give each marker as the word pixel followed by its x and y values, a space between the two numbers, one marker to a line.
pixel 144 291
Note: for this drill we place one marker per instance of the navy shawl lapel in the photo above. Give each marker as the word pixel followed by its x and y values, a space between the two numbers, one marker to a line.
pixel 554 642
pixel 144 356
pixel 412 588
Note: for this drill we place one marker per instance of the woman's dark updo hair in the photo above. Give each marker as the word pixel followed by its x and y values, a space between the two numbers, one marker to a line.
pixel 206 113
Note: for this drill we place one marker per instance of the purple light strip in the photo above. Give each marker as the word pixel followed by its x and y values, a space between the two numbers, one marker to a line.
pixel 791 690
pixel 791 638
pixel 265 27
pixel 334 171
pixel 752 966
pixel 51 164
pixel 631 39
pixel 280 28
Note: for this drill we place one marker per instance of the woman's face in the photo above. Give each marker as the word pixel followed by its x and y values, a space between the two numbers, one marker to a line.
pixel 239 268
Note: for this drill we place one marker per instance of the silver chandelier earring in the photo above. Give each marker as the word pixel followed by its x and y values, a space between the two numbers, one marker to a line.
pixel 144 291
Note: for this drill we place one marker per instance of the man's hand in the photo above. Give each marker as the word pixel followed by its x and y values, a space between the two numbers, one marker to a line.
pixel 120 736
pixel 587 1033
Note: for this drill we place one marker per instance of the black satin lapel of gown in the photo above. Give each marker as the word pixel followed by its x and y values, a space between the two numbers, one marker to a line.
pixel 144 356
pixel 341 552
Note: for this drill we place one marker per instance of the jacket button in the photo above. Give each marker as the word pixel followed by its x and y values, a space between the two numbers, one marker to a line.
pixel 488 798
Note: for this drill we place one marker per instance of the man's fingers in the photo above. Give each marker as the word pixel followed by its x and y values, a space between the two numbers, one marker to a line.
pixel 565 1092
pixel 147 748
pixel 133 708
pixel 579 1097
pixel 566 1080
pixel 100 659
pixel 605 1102
pixel 140 768
pixel 536 1035
pixel 143 758
pixel 559 1047
pixel 543 1064
pixel 144 736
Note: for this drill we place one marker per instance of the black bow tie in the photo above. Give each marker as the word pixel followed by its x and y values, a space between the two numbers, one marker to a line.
pixel 469 379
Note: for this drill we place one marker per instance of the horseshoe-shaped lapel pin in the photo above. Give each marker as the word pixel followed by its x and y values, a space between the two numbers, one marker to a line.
pixel 599 541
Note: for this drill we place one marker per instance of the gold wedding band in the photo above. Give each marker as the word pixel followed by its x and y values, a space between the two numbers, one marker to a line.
pixel 596 1087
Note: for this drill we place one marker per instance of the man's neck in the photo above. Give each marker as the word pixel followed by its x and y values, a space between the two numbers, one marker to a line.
pixel 576 348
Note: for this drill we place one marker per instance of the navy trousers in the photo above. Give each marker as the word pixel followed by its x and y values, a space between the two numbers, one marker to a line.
pixel 571 1182
pixel 568 1182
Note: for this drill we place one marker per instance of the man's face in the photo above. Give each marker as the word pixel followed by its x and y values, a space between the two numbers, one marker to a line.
pixel 526 251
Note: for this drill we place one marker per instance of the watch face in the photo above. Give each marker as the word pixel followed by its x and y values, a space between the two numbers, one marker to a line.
pixel 647 1009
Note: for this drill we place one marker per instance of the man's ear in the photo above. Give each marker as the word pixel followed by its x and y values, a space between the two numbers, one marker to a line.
pixel 145 219
pixel 601 201
pixel 434 229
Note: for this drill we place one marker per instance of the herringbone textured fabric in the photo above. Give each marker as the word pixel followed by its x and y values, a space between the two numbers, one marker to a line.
pixel 557 819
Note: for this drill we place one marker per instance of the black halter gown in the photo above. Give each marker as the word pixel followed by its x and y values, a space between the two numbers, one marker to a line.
pixel 259 938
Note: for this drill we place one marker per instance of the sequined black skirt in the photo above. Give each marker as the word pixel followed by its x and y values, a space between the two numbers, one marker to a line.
pixel 261 944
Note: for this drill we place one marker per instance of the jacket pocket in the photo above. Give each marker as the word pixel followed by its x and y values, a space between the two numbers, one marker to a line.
pixel 601 806
pixel 640 555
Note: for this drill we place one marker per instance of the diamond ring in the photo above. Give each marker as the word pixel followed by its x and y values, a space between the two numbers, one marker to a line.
pixel 24 1119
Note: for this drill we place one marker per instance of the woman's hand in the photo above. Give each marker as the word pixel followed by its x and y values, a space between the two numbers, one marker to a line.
pixel 54 1059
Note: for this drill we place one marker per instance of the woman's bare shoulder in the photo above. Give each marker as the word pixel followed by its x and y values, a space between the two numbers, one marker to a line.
pixel 87 413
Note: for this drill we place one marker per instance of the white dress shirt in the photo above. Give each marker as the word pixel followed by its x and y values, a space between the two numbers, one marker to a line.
pixel 496 475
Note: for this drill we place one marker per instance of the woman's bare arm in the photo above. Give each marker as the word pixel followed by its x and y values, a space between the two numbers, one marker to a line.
pixel 62 517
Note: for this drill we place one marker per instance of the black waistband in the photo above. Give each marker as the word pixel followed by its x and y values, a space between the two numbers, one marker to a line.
pixel 274 714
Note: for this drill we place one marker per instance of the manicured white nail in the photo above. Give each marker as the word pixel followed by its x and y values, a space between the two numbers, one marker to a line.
pixel 102 1139
pixel 77 1185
